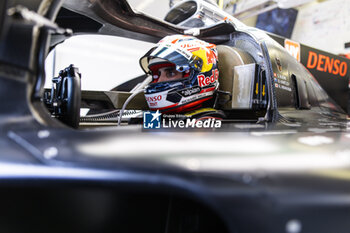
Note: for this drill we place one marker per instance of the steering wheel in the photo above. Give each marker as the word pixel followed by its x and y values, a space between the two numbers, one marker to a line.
pixel 68 92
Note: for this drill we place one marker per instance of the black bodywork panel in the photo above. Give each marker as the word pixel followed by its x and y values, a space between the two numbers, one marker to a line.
pixel 331 72
pixel 286 172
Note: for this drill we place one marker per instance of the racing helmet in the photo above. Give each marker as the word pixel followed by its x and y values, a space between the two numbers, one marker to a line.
pixel 195 59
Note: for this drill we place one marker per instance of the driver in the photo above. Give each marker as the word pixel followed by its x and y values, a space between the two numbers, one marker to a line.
pixel 184 74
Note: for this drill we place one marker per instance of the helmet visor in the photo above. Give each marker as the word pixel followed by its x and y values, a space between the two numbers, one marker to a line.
pixel 181 59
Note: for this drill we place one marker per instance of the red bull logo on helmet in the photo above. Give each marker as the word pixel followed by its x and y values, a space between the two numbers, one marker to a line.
pixel 205 81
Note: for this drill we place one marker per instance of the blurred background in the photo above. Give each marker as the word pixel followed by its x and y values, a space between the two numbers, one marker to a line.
pixel 106 61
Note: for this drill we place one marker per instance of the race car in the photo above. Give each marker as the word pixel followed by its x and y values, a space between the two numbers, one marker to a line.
pixel 280 162
pixel 259 80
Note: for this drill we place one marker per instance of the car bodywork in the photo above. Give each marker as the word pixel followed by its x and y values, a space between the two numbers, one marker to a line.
pixel 287 173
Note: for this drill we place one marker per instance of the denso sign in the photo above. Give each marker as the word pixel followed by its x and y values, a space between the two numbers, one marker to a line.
pixel 327 64
pixel 205 81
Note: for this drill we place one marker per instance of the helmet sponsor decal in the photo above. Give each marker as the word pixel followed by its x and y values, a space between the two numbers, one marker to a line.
pixel 206 58
pixel 159 100
pixel 153 100
pixel 207 80
pixel 190 91
pixel 184 53
pixel 195 97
